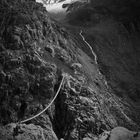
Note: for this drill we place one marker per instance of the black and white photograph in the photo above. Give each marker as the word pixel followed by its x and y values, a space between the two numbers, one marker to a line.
pixel 69 69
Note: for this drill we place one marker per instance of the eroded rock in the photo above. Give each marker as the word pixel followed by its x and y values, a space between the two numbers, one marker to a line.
pixel 26 132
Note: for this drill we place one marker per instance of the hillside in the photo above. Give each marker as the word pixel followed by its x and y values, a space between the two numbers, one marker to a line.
pixel 112 29
pixel 44 63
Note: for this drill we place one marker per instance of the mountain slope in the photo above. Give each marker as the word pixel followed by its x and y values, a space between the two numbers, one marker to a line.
pixel 35 53
pixel 112 29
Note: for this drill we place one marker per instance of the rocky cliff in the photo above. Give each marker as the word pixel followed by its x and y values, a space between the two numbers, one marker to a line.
pixel 36 53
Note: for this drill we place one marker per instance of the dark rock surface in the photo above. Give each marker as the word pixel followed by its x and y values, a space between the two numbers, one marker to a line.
pixel 26 132
pixel 34 53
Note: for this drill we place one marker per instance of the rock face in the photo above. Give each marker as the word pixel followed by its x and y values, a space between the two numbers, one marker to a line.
pixel 35 52
pixel 26 132
pixel 119 133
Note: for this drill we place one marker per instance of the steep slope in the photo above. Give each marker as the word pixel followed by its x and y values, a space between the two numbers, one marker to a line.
pixel 39 58
pixel 112 28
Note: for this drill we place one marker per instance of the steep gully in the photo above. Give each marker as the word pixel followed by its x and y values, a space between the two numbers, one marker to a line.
pixel 95 56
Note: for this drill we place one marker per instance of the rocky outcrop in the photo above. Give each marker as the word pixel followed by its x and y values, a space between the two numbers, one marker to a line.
pixel 26 132
pixel 119 133
pixel 25 76
pixel 83 113
pixel 35 52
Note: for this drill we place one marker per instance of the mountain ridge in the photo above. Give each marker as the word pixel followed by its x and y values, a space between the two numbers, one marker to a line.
pixel 35 51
